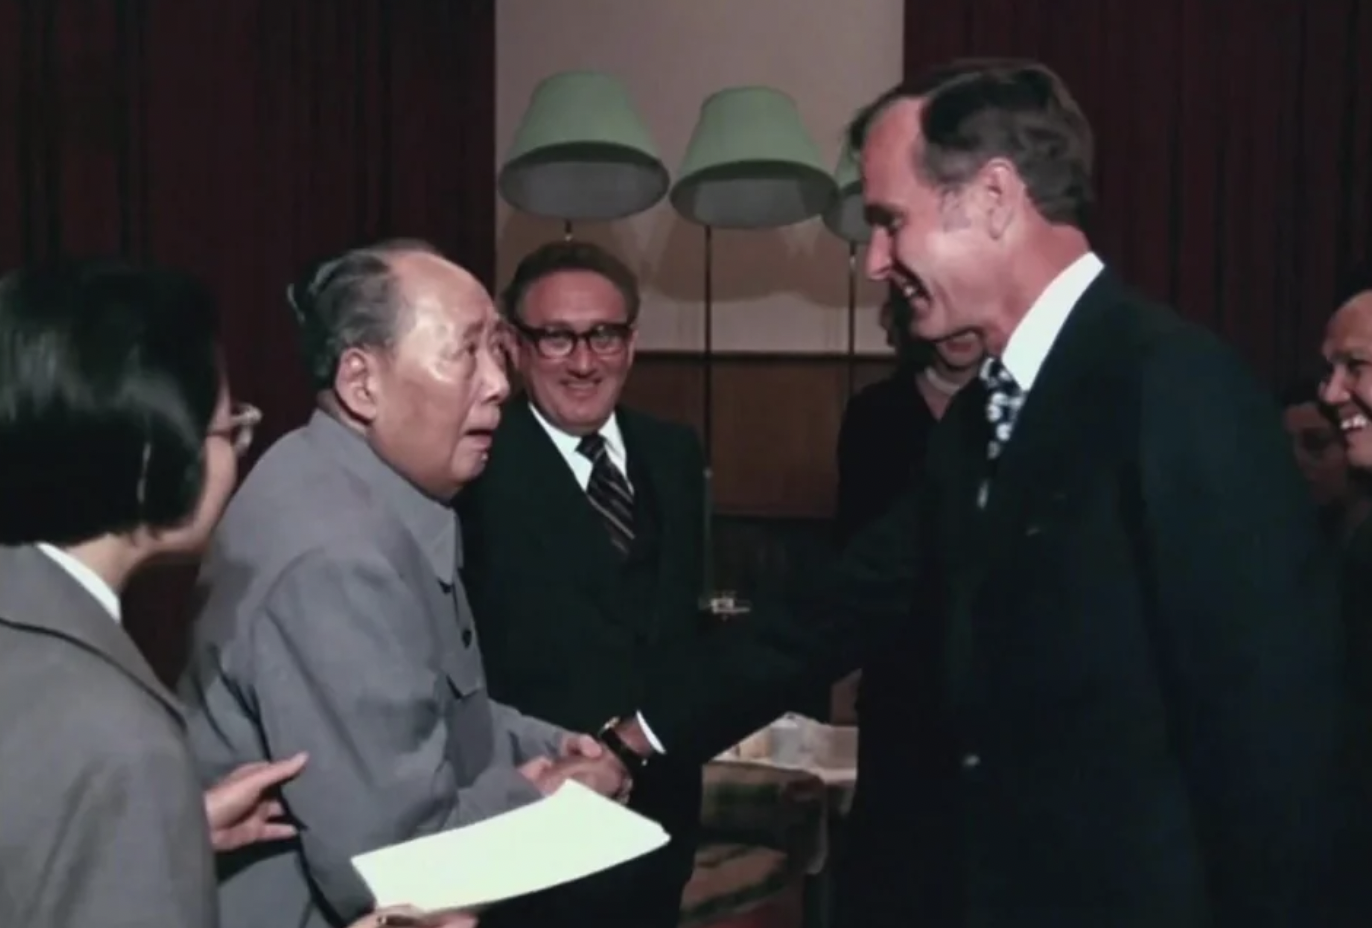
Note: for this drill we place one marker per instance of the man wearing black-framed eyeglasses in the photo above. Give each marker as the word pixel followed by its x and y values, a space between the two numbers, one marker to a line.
pixel 584 548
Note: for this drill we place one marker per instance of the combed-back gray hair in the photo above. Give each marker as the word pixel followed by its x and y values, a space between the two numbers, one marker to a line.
pixel 352 300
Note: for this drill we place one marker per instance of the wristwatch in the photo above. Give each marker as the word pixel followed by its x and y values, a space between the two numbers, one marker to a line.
pixel 609 736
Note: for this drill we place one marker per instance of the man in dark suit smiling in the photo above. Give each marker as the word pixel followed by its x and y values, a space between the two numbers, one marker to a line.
pixel 584 560
pixel 1138 713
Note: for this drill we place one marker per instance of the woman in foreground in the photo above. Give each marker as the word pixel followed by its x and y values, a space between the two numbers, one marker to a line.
pixel 118 447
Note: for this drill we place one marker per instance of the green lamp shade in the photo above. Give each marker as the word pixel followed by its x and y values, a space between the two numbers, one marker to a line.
pixel 750 164
pixel 582 153
pixel 846 216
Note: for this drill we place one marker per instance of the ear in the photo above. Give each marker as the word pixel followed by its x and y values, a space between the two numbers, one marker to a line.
pixel 1000 193
pixel 357 384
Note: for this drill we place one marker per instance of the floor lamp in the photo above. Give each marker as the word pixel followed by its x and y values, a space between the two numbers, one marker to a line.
pixel 846 217
pixel 581 153
pixel 750 164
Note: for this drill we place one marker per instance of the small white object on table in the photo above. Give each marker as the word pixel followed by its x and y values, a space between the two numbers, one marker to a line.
pixel 795 742
pixel 799 743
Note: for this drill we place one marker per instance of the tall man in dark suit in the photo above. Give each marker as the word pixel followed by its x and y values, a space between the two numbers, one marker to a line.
pixel 584 554
pixel 1113 575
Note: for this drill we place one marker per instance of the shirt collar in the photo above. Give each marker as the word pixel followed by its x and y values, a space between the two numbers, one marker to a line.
pixel 92 582
pixel 567 443
pixel 1032 339
pixel 432 523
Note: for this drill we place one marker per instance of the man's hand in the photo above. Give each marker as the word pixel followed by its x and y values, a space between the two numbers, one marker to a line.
pixel 535 770
pixel 604 774
pixel 240 812
pixel 577 745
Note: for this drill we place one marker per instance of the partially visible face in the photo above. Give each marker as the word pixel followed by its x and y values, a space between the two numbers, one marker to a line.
pixel 1319 451
pixel 584 315
pixel 229 436
pixel 431 402
pixel 1347 387
pixel 960 352
pixel 929 242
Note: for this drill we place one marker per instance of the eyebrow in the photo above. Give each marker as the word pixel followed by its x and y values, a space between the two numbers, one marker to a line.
pixel 475 329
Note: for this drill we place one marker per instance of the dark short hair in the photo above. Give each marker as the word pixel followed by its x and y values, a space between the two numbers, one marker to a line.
pixel 352 300
pixel 979 109
pixel 556 257
pixel 109 378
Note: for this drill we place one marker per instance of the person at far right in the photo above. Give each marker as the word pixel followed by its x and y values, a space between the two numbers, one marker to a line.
pixel 1114 569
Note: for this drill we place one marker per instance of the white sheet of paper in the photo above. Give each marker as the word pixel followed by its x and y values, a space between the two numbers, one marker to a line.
pixel 566 836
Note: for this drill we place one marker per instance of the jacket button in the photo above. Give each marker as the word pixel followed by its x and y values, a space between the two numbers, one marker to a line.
pixel 466 637
pixel 970 761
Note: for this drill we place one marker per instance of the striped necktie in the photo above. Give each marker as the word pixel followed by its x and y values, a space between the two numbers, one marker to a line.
pixel 609 493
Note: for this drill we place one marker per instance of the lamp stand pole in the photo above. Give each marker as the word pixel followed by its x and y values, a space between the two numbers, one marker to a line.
pixel 707 391
pixel 852 316
pixel 707 354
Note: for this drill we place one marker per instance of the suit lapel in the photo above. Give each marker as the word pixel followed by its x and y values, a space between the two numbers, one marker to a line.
pixel 653 487
pixel 1067 410
pixel 38 594
pixel 662 511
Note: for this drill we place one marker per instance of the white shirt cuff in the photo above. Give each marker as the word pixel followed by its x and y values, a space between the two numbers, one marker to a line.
pixel 648 733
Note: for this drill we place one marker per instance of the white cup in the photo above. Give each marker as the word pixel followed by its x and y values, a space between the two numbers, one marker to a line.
pixel 787 741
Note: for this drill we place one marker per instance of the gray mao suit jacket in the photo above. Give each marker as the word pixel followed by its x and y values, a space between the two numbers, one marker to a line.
pixel 102 821
pixel 334 622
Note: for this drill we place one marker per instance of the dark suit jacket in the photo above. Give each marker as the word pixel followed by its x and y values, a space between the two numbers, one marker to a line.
pixel 883 447
pixel 102 821
pixel 883 443
pixel 1131 661
pixel 570 629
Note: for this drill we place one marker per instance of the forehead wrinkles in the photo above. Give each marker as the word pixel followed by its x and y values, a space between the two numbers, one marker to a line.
pixel 895 133
pixel 574 296
pixel 433 345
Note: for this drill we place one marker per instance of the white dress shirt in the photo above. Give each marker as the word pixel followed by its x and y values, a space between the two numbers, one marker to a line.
pixel 93 582
pixel 1032 339
pixel 566 445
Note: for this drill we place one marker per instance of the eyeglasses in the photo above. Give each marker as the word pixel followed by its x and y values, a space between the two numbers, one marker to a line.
pixel 243 422
pixel 605 340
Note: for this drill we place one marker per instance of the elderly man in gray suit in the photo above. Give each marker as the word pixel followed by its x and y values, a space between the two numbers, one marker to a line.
pixel 335 620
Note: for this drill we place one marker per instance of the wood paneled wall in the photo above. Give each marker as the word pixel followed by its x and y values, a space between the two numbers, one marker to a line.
pixel 774 422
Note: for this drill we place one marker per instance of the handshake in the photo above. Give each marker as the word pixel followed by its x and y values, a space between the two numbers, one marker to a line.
pixel 585 760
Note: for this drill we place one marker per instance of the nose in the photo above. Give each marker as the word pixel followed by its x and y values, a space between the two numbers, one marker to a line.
pixel 582 359
pixel 494 378
pixel 878 265
pixel 1334 388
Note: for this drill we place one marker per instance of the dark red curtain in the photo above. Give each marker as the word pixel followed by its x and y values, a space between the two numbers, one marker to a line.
pixel 1234 145
pixel 239 139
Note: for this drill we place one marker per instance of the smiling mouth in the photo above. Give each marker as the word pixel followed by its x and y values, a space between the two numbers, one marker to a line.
pixel 1355 422
pixel 910 287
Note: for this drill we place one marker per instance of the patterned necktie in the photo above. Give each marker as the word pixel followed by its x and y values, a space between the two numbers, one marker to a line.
pixel 609 493
pixel 1004 399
